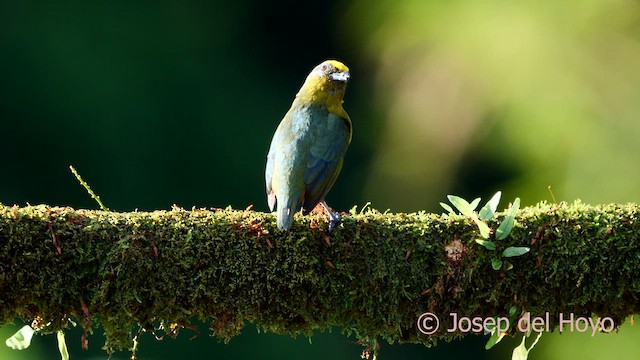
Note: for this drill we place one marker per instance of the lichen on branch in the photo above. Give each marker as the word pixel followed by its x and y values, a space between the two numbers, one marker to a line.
pixel 373 276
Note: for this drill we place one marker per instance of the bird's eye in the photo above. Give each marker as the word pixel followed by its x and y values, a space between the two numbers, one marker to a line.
pixel 324 67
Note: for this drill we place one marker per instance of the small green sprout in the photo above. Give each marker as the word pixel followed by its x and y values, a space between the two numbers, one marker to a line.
pixel 488 212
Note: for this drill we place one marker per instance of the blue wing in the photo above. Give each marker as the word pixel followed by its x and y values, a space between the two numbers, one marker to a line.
pixel 324 161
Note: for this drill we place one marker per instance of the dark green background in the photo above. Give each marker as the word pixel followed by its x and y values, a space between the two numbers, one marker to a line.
pixel 157 103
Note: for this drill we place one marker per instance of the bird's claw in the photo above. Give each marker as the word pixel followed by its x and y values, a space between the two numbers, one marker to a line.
pixel 334 217
pixel 335 220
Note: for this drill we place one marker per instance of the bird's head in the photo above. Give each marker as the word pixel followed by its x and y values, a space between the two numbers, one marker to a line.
pixel 327 82
pixel 333 71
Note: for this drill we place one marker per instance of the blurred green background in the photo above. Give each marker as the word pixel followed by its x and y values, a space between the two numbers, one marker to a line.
pixel 165 102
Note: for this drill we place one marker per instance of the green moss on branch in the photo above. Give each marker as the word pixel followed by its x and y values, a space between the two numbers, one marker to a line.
pixel 377 275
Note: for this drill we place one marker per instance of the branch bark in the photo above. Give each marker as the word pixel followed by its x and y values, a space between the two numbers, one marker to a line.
pixel 373 277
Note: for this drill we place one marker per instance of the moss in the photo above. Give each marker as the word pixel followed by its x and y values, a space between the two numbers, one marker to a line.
pixel 373 276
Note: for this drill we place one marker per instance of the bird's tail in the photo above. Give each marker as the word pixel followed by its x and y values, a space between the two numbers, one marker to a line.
pixel 287 207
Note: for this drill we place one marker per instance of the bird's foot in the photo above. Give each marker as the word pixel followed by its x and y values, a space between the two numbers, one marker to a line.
pixel 335 220
pixel 334 217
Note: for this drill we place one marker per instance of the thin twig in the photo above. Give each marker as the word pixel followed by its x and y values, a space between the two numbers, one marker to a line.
pixel 86 186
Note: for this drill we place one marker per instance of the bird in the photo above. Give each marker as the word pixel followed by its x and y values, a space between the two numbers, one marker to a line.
pixel 309 145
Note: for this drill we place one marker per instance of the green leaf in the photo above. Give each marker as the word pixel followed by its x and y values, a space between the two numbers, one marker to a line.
pixel 485 232
pixel 512 251
pixel 507 224
pixel 489 245
pixel 62 346
pixel 521 352
pixel 513 310
pixel 489 209
pixel 461 204
pixel 496 263
pixel 495 338
pixel 21 339
pixel 474 204
pixel 447 207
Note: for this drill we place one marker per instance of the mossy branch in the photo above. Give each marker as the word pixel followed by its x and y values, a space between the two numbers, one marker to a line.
pixel 373 276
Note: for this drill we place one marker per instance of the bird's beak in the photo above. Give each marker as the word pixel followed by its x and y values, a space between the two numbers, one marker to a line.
pixel 340 76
